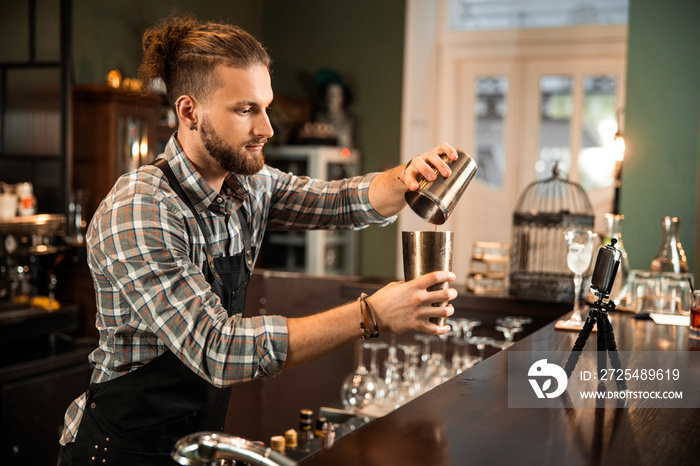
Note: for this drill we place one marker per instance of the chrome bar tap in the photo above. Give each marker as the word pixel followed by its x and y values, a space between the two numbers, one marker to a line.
pixel 208 448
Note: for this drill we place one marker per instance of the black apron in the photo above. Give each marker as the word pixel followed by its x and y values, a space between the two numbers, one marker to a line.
pixel 137 418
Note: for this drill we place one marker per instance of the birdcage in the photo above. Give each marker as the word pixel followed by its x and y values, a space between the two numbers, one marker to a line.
pixel 545 210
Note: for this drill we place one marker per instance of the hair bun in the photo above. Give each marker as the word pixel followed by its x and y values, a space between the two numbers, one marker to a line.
pixel 161 45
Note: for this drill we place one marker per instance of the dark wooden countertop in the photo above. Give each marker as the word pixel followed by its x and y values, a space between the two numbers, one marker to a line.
pixel 467 419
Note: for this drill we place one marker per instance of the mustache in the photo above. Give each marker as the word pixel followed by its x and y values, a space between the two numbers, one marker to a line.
pixel 256 141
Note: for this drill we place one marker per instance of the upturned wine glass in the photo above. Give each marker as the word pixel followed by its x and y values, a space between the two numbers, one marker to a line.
pixel 361 388
pixel 458 344
pixel 480 343
pixel 511 325
pixel 578 257
pixel 435 370
pixel 411 384
pixel 392 375
pixel 468 326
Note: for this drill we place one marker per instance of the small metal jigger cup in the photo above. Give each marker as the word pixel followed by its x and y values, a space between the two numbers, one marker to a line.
pixel 425 252
pixel 435 200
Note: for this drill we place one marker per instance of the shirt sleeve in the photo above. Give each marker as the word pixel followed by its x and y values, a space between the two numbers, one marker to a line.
pixel 150 293
pixel 301 203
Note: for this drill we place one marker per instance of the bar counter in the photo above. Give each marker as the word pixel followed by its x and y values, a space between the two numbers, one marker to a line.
pixel 467 420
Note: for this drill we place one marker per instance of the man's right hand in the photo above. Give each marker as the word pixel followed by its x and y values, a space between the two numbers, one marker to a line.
pixel 407 306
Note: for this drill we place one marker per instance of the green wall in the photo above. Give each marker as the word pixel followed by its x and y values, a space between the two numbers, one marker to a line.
pixel 107 34
pixel 660 173
pixel 363 40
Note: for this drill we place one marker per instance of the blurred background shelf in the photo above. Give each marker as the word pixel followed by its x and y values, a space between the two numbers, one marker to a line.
pixel 313 252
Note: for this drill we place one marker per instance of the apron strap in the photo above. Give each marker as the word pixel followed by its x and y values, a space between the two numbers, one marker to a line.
pixel 163 165
pixel 245 234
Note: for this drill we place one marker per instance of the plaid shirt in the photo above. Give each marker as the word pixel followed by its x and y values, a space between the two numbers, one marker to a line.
pixel 145 252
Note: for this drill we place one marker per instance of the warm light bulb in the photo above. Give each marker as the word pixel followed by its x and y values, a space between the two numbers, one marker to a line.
pixel 144 148
pixel 619 147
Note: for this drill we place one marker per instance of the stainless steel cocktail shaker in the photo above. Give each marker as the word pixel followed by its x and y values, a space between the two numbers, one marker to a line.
pixel 424 252
pixel 435 200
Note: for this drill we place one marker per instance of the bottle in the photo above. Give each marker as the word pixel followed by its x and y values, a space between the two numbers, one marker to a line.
pixel 670 256
pixel 327 435
pixel 27 201
pixel 277 443
pixel 306 428
pixel 319 426
pixel 290 439
pixel 292 449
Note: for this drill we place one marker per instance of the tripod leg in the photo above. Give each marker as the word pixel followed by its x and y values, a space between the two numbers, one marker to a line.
pixel 608 339
pixel 601 355
pixel 585 331
pixel 580 343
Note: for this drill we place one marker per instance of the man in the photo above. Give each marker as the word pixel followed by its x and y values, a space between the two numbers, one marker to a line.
pixel 172 245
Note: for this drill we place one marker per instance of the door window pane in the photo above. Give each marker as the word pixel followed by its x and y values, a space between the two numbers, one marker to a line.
pixel 596 159
pixel 489 130
pixel 556 106
pixel 481 15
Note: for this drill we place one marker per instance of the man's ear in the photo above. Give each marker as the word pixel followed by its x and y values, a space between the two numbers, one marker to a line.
pixel 187 109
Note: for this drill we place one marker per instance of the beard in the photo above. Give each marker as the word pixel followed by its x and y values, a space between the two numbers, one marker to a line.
pixel 239 161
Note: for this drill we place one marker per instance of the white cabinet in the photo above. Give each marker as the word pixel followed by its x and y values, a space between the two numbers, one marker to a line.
pixel 316 252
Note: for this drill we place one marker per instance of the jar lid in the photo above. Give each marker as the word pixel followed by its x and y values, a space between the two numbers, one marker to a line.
pixel 277 442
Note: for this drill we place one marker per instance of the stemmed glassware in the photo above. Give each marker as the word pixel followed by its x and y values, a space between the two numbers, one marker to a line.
pixel 425 353
pixel 520 320
pixel 458 344
pixel 508 329
pixel 435 371
pixel 462 331
pixel 410 384
pixel 424 365
pixel 480 343
pixel 578 258
pixel 361 388
pixel 467 326
pixel 374 347
pixel 392 374
pixel 510 326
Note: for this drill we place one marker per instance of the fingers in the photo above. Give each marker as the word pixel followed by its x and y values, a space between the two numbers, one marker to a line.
pixel 424 165
pixel 433 278
pixel 427 326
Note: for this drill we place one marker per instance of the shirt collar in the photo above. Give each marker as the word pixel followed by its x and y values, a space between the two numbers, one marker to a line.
pixel 203 196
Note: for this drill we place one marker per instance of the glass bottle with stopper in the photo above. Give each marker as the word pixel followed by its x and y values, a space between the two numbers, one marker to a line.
pixel 670 256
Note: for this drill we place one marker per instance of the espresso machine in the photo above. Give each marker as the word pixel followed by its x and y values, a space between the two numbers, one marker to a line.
pixel 31 249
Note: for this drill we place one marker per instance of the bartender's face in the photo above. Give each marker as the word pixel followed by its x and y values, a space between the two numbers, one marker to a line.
pixel 235 124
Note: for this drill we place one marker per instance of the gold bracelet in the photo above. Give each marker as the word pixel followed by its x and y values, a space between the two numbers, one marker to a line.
pixel 367 333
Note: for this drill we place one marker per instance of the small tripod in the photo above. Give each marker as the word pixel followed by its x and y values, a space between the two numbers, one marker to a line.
pixel 605 344
pixel 601 283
